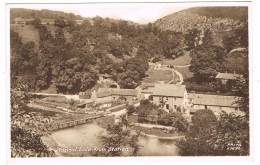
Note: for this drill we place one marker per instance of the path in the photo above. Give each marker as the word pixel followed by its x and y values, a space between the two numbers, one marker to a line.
pixel 152 126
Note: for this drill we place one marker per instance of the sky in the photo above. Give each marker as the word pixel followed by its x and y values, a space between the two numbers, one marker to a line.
pixel 141 13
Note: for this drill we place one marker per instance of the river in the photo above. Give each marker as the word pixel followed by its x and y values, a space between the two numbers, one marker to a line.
pixel 82 139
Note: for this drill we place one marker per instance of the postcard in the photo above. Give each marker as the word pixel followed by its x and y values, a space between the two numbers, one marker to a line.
pixel 129 80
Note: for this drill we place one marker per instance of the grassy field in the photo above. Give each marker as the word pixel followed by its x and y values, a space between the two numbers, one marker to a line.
pixel 185 72
pixel 27 32
pixel 158 75
pixel 182 60
pixel 30 33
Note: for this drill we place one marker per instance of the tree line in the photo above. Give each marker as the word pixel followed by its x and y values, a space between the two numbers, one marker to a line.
pixel 74 64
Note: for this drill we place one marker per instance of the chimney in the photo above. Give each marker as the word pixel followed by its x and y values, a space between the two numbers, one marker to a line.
pixel 234 72
pixel 226 72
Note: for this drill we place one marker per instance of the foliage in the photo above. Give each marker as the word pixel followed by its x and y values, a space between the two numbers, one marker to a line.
pixel 237 40
pixel 209 136
pixel 25 135
pixel 191 38
pixel 145 109
pixel 206 62
pixel 118 138
pixel 73 76
pixel 241 89
pixel 174 119
pixel 60 22
pixel 130 110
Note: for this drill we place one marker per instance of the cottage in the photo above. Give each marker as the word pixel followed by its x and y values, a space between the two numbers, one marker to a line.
pixel 224 77
pixel 170 97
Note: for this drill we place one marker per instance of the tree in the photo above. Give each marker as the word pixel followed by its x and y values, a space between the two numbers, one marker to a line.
pixel 130 110
pixel 236 40
pixel 37 22
pixel 241 89
pixel 26 139
pixel 192 38
pixel 172 44
pixel 207 136
pixel 206 62
pixel 116 139
pixel 207 39
pixel 73 76
pixel 232 135
pixel 174 119
pixel 59 37
pixel 60 22
pixel 198 142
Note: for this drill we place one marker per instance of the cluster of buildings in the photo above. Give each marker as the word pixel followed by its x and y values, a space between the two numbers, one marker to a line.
pixel 170 97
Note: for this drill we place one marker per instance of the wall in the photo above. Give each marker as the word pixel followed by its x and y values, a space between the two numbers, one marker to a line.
pixel 173 102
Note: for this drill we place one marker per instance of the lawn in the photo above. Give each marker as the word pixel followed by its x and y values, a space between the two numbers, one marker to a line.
pixel 30 33
pixel 185 72
pixel 158 75
pixel 26 32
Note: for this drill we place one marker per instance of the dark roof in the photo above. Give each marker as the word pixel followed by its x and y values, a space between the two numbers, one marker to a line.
pixel 146 85
pixel 228 76
pixel 169 90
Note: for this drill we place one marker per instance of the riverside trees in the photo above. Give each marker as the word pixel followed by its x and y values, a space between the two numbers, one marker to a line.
pixel 209 136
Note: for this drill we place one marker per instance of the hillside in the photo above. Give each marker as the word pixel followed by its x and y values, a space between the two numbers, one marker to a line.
pixel 218 19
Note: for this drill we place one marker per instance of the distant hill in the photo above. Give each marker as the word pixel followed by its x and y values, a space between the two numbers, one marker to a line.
pixel 44 13
pixel 218 19
pixel 236 13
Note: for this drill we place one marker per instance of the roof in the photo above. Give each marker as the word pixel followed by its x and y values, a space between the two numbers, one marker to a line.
pixel 146 85
pixel 214 100
pixel 229 76
pixel 104 92
pixel 169 90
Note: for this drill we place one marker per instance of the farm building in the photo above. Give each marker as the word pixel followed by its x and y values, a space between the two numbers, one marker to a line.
pixel 216 103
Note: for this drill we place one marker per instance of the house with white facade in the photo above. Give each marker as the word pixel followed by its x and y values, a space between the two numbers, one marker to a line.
pixel 170 97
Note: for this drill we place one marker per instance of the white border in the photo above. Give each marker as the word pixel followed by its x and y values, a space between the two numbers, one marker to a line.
pixel 254 86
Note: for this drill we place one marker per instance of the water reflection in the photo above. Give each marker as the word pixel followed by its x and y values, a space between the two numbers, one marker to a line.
pixel 86 136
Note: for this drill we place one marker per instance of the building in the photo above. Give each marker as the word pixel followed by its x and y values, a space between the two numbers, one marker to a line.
pixel 170 97
pixel 216 103
pixel 225 77
pixel 104 95
pixel 145 90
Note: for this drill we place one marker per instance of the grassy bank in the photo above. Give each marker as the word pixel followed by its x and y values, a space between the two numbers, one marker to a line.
pixel 157 131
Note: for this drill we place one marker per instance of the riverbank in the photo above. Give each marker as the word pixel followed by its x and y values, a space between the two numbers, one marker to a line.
pixel 158 132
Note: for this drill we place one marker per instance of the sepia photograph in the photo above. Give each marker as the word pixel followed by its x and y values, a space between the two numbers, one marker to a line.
pixel 129 80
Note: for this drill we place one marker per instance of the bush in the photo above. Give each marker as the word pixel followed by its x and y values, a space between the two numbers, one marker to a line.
pixel 176 120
